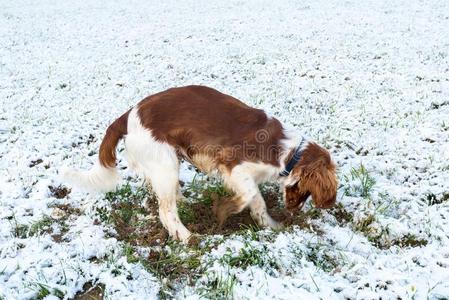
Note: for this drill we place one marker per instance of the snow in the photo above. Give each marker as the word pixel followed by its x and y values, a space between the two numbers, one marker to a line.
pixel 367 79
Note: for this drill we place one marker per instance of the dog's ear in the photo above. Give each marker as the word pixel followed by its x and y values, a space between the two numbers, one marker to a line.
pixel 319 179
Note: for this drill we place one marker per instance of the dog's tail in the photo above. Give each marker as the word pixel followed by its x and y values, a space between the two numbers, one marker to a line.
pixel 103 176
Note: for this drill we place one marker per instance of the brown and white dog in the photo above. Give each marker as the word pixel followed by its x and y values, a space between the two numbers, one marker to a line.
pixel 216 133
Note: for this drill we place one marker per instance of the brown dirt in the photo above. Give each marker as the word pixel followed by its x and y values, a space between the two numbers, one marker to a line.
pixel 341 214
pixel 90 292
pixel 150 232
pixel 68 210
pixel 57 238
pixel 59 192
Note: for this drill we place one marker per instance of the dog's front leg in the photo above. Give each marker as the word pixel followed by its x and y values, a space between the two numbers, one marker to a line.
pixel 260 214
pixel 247 193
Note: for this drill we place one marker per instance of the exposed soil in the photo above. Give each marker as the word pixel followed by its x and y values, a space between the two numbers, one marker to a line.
pixel 149 231
pixel 68 209
pixel 64 212
pixel 341 214
pixel 90 292
pixel 59 192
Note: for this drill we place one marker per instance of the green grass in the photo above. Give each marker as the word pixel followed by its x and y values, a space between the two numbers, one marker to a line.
pixel 186 213
pixel 218 287
pixel 34 229
pixel 18 230
pixel 41 226
pixel 359 182
pixel 320 255
pixel 43 290
pixel 176 263
pixel 128 204
pixel 172 264
pixel 409 240
pixel 126 193
pixel 363 225
pixel 205 189
pixel 341 214
pixel 131 254
pixel 249 232
pixel 377 236
pixel 249 256
pixel 112 263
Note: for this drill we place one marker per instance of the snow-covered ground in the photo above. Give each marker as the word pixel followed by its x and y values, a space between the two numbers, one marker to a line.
pixel 367 79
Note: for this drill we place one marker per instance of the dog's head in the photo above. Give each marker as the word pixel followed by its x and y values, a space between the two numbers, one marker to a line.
pixel 313 175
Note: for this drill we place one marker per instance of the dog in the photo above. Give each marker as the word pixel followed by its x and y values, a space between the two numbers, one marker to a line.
pixel 217 134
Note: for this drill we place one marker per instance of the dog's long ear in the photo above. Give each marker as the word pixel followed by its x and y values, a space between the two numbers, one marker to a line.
pixel 318 177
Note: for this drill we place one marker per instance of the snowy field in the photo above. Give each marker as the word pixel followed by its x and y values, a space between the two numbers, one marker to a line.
pixel 369 80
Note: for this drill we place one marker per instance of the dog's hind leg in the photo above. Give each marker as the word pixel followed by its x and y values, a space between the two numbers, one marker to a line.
pixel 165 185
pixel 158 163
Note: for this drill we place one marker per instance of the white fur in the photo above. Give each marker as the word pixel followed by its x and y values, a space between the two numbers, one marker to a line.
pixel 98 178
pixel 158 163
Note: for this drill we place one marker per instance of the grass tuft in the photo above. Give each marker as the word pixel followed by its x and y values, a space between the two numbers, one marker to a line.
pixel 359 182
pixel 341 214
pixel 131 254
pixel 44 290
pixel 127 206
pixel 321 258
pixel 18 230
pixel 249 256
pixel 410 240
pixel 26 230
pixel 41 226
pixel 432 199
pixel 186 213
pixel 218 287
pixel 126 193
pixel 206 190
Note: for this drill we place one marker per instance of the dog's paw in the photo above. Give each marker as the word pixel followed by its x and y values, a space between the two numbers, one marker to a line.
pixel 275 225
pixel 182 235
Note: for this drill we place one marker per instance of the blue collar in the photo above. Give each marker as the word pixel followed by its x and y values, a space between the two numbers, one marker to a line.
pixel 293 160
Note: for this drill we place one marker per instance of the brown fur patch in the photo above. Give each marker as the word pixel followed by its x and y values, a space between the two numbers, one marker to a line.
pixel 113 134
pixel 198 120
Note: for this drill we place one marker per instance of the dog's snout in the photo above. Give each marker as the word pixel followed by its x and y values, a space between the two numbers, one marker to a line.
pixel 327 203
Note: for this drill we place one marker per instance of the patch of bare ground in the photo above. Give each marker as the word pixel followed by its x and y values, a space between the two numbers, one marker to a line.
pixel 141 226
pixel 91 292
pixel 59 192
pixel 61 213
